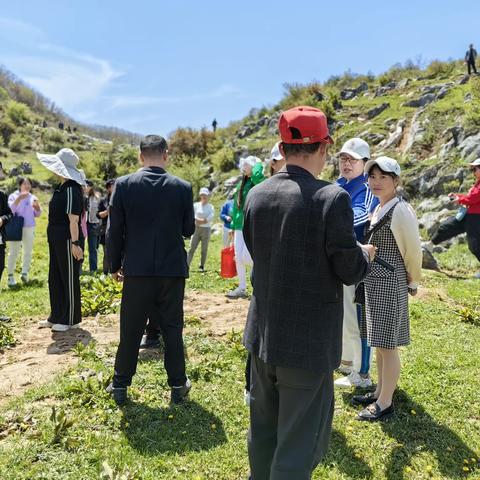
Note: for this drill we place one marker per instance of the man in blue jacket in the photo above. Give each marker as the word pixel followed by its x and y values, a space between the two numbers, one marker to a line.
pixel 151 212
pixel 226 218
pixel 356 353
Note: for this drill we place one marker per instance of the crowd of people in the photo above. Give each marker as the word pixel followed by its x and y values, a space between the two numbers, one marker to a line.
pixel 332 267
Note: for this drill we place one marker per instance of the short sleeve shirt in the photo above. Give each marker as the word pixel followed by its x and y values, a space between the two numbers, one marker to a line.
pixel 67 199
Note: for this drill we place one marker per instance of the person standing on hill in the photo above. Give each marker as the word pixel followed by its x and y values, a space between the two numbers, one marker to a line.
pixel 204 213
pixel 94 225
pixel 470 59
pixel 300 232
pixel 151 212
pixel 356 354
pixel 24 204
pixel 252 174
pixel 467 219
pixel 102 215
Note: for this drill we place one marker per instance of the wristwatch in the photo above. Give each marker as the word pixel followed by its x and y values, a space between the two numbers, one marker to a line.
pixel 76 242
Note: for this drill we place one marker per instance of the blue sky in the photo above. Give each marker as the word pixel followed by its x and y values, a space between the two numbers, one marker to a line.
pixel 151 66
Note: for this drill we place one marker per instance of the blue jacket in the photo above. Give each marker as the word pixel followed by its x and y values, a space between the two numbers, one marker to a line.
pixel 363 202
pixel 227 212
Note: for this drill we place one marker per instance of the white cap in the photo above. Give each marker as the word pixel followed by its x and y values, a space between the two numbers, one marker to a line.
pixel 250 160
pixel 356 148
pixel 275 154
pixel 475 163
pixel 386 164
pixel 205 191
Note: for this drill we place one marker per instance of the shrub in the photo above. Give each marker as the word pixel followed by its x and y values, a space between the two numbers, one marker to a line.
pixel 472 117
pixel 438 68
pixel 191 169
pixel 3 95
pixel 190 142
pixel 17 112
pixel 7 129
pixel 53 140
pixel 17 143
pixel 223 160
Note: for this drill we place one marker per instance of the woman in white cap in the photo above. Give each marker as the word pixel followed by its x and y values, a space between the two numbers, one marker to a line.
pixel 276 160
pixel 467 219
pixel 65 240
pixel 394 274
pixel 204 213
pixel 356 354
pixel 252 174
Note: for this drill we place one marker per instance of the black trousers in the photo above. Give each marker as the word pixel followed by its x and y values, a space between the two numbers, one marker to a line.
pixel 143 297
pixel 64 284
pixel 291 413
pixel 453 227
pixel 2 260
pixel 471 66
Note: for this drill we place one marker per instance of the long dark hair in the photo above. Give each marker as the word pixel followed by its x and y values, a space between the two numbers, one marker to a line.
pixel 240 193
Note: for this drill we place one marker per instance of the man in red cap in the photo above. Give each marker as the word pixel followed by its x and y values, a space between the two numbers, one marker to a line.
pixel 299 231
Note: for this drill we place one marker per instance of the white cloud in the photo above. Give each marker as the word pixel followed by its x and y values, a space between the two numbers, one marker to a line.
pixel 67 77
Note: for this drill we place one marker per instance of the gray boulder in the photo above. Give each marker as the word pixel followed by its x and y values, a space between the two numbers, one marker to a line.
pixel 417 129
pixel 395 137
pixel 422 101
pixel 404 82
pixel 372 113
pixel 349 93
pixel 371 137
pixel 470 147
pixel 428 260
pixel 463 80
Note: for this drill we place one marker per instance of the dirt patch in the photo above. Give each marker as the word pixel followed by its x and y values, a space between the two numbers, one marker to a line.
pixel 41 354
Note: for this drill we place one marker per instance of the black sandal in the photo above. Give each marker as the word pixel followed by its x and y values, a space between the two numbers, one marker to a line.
pixel 373 413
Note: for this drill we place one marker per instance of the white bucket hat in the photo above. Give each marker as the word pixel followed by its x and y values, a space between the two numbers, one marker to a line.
pixel 250 160
pixel 204 191
pixel 63 163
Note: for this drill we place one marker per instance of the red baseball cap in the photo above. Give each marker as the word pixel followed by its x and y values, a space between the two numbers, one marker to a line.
pixel 304 125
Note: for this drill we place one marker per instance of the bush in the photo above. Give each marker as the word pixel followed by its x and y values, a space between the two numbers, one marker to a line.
pixel 7 129
pixel 472 117
pixel 3 95
pixel 223 160
pixel 441 69
pixel 17 112
pixel 192 143
pixel 191 169
pixel 53 140
pixel 17 143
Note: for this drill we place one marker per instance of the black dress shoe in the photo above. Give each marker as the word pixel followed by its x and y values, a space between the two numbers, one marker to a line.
pixel 366 399
pixel 179 394
pixel 119 394
pixel 149 342
pixel 373 413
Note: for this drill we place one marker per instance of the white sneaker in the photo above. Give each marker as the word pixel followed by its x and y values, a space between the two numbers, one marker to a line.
pixel 354 380
pixel 45 324
pixel 246 398
pixel 60 327
pixel 11 281
pixel 237 293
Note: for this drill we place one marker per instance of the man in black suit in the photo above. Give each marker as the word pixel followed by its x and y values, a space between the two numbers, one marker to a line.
pixel 5 216
pixel 150 213
pixel 299 231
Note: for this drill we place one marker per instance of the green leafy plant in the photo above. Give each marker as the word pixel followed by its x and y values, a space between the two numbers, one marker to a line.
pixel 61 425
pixel 17 112
pixel 17 143
pixel 7 338
pixel 113 473
pixel 101 295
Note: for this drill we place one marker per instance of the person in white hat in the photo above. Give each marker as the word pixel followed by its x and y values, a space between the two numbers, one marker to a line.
pixel 65 240
pixel 252 174
pixel 467 219
pixel 356 354
pixel 393 275
pixel 276 159
pixel 204 213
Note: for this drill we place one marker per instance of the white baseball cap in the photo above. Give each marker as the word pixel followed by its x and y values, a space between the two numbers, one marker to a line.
pixel 205 191
pixel 275 154
pixel 386 164
pixel 475 163
pixel 356 148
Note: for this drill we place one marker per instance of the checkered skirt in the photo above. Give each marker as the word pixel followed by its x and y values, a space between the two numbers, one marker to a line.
pixel 385 313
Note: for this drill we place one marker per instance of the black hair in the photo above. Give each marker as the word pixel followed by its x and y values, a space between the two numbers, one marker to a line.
pixel 383 172
pixel 20 180
pixel 109 182
pixel 300 148
pixel 153 145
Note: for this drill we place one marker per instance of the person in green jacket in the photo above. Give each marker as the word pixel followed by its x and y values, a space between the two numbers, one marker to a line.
pixel 252 174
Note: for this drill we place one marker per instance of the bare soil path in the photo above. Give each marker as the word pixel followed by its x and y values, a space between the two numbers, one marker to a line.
pixel 40 354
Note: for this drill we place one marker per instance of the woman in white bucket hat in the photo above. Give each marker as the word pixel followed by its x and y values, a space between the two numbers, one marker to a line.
pixel 65 240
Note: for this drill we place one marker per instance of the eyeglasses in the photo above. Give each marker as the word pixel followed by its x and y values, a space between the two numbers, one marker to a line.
pixel 350 160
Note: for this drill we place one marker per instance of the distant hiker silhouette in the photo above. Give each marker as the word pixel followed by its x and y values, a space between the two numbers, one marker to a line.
pixel 470 59
pixel 214 124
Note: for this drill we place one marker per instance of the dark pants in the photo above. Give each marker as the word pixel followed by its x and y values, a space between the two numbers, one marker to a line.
pixel 2 260
pixel 471 66
pixel 452 227
pixel 64 284
pixel 153 329
pixel 93 242
pixel 143 297
pixel 291 414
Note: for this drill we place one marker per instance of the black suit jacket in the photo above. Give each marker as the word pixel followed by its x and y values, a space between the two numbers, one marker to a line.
pixel 150 213
pixel 299 231
pixel 5 213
